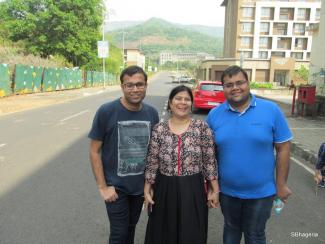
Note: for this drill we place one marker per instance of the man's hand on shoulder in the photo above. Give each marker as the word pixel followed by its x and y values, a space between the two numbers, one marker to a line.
pixel 108 193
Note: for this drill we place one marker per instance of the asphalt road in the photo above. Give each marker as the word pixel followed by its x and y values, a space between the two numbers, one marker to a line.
pixel 48 194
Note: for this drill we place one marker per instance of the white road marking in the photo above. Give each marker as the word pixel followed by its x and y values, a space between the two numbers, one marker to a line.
pixel 3 144
pixel 74 115
pixel 18 120
pixel 86 94
pixel 302 165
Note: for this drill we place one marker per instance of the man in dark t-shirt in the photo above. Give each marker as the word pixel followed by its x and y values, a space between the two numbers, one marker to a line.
pixel 119 138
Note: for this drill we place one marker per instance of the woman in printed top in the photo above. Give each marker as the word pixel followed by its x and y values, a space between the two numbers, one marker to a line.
pixel 320 166
pixel 181 157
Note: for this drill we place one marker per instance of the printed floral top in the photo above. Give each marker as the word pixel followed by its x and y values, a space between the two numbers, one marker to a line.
pixel 178 155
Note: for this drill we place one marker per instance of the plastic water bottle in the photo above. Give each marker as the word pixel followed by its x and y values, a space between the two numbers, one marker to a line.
pixel 278 205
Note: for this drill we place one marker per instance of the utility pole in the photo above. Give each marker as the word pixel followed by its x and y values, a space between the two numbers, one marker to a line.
pixel 123 48
pixel 104 19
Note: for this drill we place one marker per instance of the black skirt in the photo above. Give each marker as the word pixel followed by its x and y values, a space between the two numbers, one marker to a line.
pixel 180 212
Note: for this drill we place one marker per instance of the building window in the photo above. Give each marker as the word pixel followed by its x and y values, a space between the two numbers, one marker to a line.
pixel 286 14
pixel 264 28
pixel 245 42
pixel 299 29
pixel 297 55
pixel 264 42
pixel 262 54
pixel 284 43
pixel 278 54
pixel 247 12
pixel 317 17
pixel 247 27
pixel 303 14
pixel 266 13
pixel 246 54
pixel 300 43
pixel 280 29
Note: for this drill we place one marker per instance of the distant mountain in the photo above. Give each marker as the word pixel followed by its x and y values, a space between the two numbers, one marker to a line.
pixel 119 25
pixel 214 31
pixel 156 35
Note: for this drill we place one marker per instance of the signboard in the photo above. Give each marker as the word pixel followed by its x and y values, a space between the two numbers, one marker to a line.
pixel 103 49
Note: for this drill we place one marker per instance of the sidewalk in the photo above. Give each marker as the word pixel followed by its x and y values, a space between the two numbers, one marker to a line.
pixel 17 103
pixel 308 133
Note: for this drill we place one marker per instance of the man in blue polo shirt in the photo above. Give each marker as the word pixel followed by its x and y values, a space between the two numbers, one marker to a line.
pixel 247 130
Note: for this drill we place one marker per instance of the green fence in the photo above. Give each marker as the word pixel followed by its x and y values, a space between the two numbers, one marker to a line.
pixel 28 79
pixel 112 79
pixel 98 78
pixel 51 79
pixel 89 78
pixel 5 83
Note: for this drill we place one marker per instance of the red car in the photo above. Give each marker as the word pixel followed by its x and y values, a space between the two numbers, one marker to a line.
pixel 208 94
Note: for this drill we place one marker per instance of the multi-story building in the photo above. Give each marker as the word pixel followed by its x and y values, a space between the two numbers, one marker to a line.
pixel 265 29
pixel 268 38
pixel 168 56
pixel 133 56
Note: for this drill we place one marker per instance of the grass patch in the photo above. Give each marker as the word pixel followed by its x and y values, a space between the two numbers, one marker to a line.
pixel 264 85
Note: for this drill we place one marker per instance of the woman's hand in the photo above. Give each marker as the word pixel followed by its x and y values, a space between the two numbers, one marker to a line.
pixel 148 195
pixel 318 177
pixel 213 199
pixel 213 194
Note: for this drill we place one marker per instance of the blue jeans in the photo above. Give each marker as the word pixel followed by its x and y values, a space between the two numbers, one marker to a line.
pixel 246 216
pixel 123 215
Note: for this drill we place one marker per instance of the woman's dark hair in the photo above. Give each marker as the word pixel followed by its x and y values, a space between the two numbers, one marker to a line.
pixel 131 70
pixel 177 90
pixel 233 70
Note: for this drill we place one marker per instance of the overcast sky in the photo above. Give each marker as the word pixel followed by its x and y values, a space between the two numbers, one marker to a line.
pixel 198 12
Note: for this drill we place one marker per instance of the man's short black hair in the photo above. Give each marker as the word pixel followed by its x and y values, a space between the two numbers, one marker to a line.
pixel 131 70
pixel 233 70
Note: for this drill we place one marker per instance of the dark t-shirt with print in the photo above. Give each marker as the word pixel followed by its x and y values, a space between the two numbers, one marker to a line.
pixel 125 135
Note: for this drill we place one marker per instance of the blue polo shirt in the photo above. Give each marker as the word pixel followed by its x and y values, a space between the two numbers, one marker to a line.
pixel 245 150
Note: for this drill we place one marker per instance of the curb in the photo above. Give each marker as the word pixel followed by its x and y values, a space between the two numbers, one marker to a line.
pixel 308 155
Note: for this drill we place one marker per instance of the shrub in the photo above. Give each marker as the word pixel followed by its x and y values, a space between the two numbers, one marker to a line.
pixel 264 85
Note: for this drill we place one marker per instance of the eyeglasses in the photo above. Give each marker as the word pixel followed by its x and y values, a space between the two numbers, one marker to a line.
pixel 139 85
pixel 236 83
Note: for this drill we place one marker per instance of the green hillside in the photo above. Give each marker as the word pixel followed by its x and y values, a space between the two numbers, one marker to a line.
pixel 214 31
pixel 156 35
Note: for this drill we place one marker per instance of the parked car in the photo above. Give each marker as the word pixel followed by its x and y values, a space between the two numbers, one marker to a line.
pixel 184 79
pixel 207 94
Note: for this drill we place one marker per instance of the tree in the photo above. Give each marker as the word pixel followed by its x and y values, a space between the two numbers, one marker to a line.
pixel 69 28
pixel 302 73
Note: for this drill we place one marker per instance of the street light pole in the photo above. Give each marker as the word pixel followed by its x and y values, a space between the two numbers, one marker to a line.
pixel 123 47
